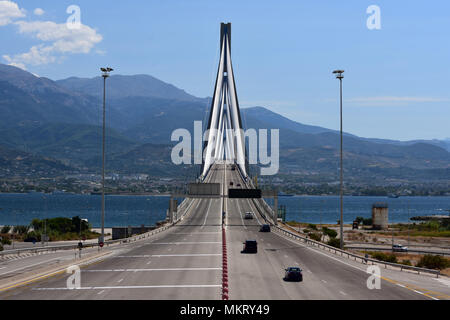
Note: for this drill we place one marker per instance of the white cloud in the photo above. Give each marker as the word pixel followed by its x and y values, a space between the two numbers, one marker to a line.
pixel 38 11
pixel 57 41
pixel 10 11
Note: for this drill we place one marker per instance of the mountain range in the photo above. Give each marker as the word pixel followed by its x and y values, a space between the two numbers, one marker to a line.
pixel 61 120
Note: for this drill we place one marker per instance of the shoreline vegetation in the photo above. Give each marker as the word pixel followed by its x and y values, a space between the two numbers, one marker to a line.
pixel 54 229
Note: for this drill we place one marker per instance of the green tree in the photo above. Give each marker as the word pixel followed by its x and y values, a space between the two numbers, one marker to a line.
pixel 5 229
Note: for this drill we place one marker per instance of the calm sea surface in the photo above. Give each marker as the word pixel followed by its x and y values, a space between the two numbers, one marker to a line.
pixel 20 209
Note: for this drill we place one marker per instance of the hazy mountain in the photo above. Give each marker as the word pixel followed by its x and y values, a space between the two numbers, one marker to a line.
pixel 120 86
pixel 27 98
pixel 72 143
pixel 62 120
pixel 19 163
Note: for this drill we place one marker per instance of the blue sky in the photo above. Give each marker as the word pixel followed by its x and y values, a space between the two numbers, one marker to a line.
pixel 396 82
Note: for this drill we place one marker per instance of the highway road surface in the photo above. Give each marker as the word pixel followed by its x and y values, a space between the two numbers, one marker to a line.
pixel 185 262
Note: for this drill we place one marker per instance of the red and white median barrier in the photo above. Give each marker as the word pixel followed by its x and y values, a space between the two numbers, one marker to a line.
pixel 224 266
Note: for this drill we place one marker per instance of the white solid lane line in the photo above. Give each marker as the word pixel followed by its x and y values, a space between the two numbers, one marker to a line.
pixel 191 233
pixel 146 270
pixel 240 214
pixel 133 287
pixel 31 265
pixel 171 255
pixel 255 214
pixel 207 213
pixel 178 243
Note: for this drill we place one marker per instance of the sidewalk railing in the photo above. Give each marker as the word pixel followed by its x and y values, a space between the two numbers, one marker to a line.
pixel 87 245
pixel 437 253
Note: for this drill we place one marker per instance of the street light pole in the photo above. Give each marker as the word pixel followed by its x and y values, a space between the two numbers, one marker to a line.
pixel 339 75
pixel 105 75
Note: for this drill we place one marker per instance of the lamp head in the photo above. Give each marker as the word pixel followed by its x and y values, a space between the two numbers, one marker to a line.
pixel 338 74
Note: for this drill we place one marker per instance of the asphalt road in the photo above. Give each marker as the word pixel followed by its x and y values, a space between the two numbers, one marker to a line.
pixel 185 262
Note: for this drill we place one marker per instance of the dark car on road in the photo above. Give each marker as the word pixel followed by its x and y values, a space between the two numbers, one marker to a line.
pixel 250 246
pixel 293 274
pixel 265 228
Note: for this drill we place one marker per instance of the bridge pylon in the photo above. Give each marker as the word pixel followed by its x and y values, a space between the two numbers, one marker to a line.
pixel 225 135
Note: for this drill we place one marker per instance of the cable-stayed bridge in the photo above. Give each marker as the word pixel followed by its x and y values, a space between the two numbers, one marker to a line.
pixel 199 255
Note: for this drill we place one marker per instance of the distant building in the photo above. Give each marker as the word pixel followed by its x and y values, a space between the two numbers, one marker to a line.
pixel 380 216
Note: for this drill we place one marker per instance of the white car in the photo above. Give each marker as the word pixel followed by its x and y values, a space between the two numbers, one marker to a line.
pixel 248 215
pixel 399 248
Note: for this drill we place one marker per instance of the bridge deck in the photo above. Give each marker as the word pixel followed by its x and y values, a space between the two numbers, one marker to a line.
pixel 185 262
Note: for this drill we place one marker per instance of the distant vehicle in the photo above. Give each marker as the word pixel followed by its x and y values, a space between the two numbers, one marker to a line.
pixel 393 196
pixel 282 194
pixel 238 185
pixel 233 167
pixel 293 274
pixel 250 246
pixel 265 228
pixel 399 248
pixel 231 183
pixel 31 239
pixel 248 216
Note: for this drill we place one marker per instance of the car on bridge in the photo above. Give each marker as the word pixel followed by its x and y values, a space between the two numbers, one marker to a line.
pixel 231 183
pixel 265 228
pixel 399 248
pixel 250 246
pixel 293 274
pixel 248 215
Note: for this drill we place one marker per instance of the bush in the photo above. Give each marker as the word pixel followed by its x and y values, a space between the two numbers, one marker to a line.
pixel 329 232
pixel 312 226
pixel 1 247
pixel 33 235
pixel 384 257
pixel 367 222
pixel 406 262
pixel 433 262
pixel 6 241
pixel 334 242
pixel 359 219
pixel 21 229
pixel 5 229
pixel 315 236
pixel 306 230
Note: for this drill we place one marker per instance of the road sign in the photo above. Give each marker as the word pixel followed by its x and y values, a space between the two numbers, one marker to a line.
pixel 101 244
pixel 244 193
pixel 80 245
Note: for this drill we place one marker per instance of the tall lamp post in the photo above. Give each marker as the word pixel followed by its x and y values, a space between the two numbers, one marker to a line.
pixel 105 74
pixel 340 76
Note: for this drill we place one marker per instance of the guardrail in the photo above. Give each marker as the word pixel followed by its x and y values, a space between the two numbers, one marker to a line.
pixel 350 255
pixel 88 245
pixel 409 250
